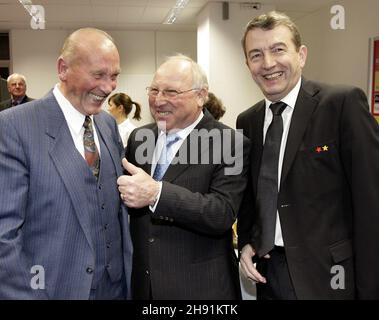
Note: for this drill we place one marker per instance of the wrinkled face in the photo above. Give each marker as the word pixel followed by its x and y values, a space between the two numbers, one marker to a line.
pixel 182 110
pixel 17 87
pixel 90 77
pixel 274 63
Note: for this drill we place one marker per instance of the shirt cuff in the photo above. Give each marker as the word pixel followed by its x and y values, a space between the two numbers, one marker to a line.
pixel 154 206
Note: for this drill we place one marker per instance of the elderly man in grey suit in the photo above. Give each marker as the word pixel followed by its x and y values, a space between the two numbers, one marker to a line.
pixel 181 221
pixel 64 232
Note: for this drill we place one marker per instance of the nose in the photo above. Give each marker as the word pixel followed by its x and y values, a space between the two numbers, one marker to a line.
pixel 268 61
pixel 108 85
pixel 159 99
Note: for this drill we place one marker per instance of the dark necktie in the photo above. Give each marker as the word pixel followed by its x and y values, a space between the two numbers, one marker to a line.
pixel 267 190
pixel 15 103
pixel 165 157
pixel 91 153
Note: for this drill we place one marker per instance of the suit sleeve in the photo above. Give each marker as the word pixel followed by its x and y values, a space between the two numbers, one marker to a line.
pixel 212 212
pixel 15 273
pixel 360 157
pixel 245 214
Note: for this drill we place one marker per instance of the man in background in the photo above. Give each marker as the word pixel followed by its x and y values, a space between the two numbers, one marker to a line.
pixel 16 84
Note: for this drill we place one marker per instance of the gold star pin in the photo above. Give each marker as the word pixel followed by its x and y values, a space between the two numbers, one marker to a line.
pixel 325 148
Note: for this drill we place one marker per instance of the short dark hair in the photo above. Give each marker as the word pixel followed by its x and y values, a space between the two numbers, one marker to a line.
pixel 269 21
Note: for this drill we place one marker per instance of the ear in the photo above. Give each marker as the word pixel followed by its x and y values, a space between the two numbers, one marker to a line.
pixel 62 69
pixel 202 97
pixel 303 51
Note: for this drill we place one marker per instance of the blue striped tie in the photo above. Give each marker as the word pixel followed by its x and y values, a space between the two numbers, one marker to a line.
pixel 165 157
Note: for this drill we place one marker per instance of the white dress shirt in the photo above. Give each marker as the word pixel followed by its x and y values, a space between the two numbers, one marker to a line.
pixel 125 128
pixel 182 134
pixel 290 100
pixel 75 121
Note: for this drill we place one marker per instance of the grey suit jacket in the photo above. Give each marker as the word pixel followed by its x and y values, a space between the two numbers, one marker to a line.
pixel 184 249
pixel 328 199
pixel 44 219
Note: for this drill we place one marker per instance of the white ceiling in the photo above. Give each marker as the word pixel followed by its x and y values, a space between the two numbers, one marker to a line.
pixel 128 14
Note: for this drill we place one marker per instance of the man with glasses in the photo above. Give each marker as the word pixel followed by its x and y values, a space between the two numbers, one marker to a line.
pixel 181 219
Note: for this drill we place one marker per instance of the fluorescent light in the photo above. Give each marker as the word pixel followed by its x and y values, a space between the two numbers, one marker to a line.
pixel 175 11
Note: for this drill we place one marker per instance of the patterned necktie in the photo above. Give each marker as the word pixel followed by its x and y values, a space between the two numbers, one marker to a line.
pixel 165 157
pixel 91 153
pixel 267 190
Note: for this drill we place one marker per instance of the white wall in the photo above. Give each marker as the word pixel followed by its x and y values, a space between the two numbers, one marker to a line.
pixel 220 54
pixel 34 54
pixel 340 56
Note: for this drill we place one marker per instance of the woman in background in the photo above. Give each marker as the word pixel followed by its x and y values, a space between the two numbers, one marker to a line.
pixel 214 106
pixel 120 105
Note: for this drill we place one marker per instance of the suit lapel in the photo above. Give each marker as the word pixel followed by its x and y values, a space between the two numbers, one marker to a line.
pixel 304 108
pixel 257 145
pixel 105 133
pixel 68 161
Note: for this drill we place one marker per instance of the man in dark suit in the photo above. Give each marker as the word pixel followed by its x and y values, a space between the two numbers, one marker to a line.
pixel 181 224
pixel 322 241
pixel 16 84
pixel 64 232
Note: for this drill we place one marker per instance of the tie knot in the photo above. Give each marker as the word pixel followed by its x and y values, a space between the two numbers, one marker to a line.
pixel 277 108
pixel 87 122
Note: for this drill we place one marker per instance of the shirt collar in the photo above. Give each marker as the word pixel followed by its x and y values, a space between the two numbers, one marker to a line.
pixel 74 118
pixel 290 98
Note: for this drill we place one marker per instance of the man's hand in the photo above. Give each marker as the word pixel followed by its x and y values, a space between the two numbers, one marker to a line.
pixel 139 189
pixel 247 264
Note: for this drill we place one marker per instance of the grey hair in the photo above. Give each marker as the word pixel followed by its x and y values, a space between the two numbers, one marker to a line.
pixel 13 75
pixel 199 78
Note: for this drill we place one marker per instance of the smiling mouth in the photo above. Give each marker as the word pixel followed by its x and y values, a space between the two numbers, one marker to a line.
pixel 163 113
pixel 97 98
pixel 273 76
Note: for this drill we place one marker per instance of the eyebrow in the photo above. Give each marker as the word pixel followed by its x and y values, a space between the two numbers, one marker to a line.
pixel 277 44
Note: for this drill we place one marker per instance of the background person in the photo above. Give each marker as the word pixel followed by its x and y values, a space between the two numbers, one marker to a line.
pixel 214 106
pixel 120 106
pixel 16 84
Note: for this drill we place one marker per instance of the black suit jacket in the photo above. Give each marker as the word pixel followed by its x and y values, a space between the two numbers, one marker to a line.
pixel 329 200
pixel 184 249
pixel 8 103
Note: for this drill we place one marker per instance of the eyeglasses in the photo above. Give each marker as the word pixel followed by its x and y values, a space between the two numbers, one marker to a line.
pixel 166 93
